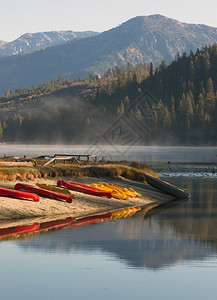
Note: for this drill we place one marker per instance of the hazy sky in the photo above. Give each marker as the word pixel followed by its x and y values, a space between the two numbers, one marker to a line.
pixel 22 16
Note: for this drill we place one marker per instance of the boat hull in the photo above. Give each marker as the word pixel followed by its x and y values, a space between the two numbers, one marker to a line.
pixel 43 192
pixel 5 192
pixel 82 188
pixel 166 187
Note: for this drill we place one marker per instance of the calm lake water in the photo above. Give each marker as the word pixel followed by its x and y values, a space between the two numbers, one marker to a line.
pixel 168 253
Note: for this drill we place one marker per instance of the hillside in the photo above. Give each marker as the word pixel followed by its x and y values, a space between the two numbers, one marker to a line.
pixel 70 109
pixel 180 100
pixel 30 42
pixel 183 110
pixel 139 40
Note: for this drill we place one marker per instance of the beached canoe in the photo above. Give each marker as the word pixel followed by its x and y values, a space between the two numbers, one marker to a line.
pixel 43 192
pixel 117 191
pixel 166 187
pixel 115 194
pixel 86 186
pixel 82 188
pixel 18 194
pixel 128 192
pixel 55 189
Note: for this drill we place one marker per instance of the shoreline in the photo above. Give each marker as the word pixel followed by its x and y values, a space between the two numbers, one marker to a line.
pixel 14 211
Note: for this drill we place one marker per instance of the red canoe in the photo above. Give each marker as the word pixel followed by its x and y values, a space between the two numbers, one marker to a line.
pixel 82 188
pixel 89 187
pixel 43 192
pixel 5 232
pixel 18 194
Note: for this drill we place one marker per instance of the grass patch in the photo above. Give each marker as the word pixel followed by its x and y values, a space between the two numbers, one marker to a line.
pixel 133 171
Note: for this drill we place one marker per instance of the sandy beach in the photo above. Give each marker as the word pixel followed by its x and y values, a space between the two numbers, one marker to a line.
pixel 14 212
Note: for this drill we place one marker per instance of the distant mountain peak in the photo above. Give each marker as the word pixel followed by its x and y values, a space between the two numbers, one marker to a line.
pixel 2 42
pixel 30 42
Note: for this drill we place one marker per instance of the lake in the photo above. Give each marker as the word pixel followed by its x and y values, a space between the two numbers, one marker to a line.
pixel 168 253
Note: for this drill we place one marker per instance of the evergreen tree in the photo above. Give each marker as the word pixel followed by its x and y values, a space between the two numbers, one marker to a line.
pixel 163 65
pixel 151 69
pixel 166 118
pixel 1 131
pixel 210 96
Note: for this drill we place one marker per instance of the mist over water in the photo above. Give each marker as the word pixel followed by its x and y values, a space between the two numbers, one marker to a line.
pixel 56 120
pixel 151 155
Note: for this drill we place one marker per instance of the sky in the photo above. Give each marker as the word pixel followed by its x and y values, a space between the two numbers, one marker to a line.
pixel 21 16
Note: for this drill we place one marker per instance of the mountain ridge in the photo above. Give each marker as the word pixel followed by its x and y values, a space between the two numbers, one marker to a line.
pixel 30 42
pixel 142 39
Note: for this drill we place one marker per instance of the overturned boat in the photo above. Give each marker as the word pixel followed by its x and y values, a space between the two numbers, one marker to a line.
pixel 166 187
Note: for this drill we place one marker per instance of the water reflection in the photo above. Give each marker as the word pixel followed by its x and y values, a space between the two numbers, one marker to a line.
pixel 198 219
pixel 116 258
pixel 21 230
pixel 139 242
pixel 155 239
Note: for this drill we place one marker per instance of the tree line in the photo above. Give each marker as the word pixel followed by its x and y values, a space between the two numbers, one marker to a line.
pixel 64 110
pixel 185 111
pixel 186 94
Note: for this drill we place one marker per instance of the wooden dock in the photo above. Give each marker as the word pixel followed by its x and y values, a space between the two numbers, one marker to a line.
pixel 70 158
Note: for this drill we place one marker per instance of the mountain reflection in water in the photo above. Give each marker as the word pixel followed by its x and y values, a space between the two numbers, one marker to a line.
pixel 155 240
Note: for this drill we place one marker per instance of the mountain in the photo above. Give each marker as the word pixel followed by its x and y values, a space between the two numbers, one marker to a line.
pixel 35 41
pixel 142 39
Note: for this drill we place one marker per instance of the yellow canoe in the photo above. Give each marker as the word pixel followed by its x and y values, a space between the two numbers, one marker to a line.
pixel 128 192
pixel 55 189
pixel 133 191
pixel 118 194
